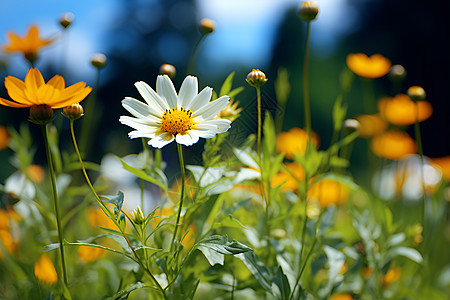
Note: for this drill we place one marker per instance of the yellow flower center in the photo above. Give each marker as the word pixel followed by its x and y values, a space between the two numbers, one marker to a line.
pixel 176 121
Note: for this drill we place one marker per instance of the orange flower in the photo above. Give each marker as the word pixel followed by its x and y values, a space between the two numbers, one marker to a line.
pixel 391 276
pixel 34 91
pixel 371 125
pixel 290 182
pixel 89 254
pixel 96 217
pixel 444 164
pixel 401 110
pixel 328 192
pixel 45 270
pixel 341 297
pixel 374 66
pixel 294 142
pixel 393 144
pixel 160 213
pixel 36 173
pixel 4 138
pixel 28 45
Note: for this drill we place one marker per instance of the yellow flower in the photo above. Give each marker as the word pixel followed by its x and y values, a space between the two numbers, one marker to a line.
pixel 374 66
pixel 34 91
pixel 44 270
pixel 289 180
pixel 231 111
pixel 28 45
pixel 294 142
pixel 36 173
pixel 371 125
pixel 89 254
pixel 391 276
pixel 96 217
pixel 444 164
pixel 393 144
pixel 4 138
pixel 401 110
pixel 341 297
pixel 328 192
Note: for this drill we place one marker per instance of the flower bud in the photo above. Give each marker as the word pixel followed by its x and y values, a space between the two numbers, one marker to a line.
pixel 66 19
pixel 416 93
pixel 99 60
pixel 167 69
pixel 308 10
pixel 207 26
pixel 138 216
pixel 256 78
pixel 351 125
pixel 73 112
pixel 40 114
pixel 397 72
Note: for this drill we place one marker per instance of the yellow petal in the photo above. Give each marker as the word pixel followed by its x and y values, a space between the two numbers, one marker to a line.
pixel 57 82
pixel 33 80
pixel 16 90
pixel 12 104
pixel 45 270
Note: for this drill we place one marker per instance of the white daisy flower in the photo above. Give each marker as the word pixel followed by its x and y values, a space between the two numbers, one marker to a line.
pixel 185 117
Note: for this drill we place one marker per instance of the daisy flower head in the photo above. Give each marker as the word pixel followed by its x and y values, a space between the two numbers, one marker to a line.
pixel 166 116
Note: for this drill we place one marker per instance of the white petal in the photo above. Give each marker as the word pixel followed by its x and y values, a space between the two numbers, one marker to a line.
pixel 188 91
pixel 218 125
pixel 161 140
pixel 141 134
pixel 201 99
pixel 165 89
pixel 138 124
pixel 204 133
pixel 211 109
pixel 187 139
pixel 140 110
pixel 151 97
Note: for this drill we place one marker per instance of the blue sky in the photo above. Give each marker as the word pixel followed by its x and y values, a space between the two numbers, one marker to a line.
pixel 242 27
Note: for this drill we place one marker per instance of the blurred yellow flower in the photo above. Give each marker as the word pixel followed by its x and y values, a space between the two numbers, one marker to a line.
pixel 34 91
pixel 294 142
pixel 231 111
pixel 393 144
pixel 8 242
pixel 341 297
pixel 29 45
pixel 328 192
pixel 89 254
pixel 401 110
pixel 374 66
pixel 96 217
pixel 189 234
pixel 36 173
pixel 44 270
pixel 371 125
pixel 444 164
pixel 4 138
pixel 391 276
pixel 290 178
pixel 160 213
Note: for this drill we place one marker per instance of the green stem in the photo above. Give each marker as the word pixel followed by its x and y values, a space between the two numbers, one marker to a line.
pixel 110 215
pixel 87 124
pixel 306 102
pixel 56 202
pixel 303 266
pixel 183 177
pixel 420 151
pixel 194 55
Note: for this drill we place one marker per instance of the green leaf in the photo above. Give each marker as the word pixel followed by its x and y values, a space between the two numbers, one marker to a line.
pixel 258 269
pixel 212 256
pixel 226 86
pixel 338 113
pixel 410 253
pixel 123 294
pixel 233 93
pixel 221 245
pixel 142 174
pixel 116 200
pixel 282 282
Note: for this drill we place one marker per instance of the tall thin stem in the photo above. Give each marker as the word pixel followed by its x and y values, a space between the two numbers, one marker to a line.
pixel 183 179
pixel 106 210
pixel 56 202
pixel 306 100
pixel 420 151
pixel 194 55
